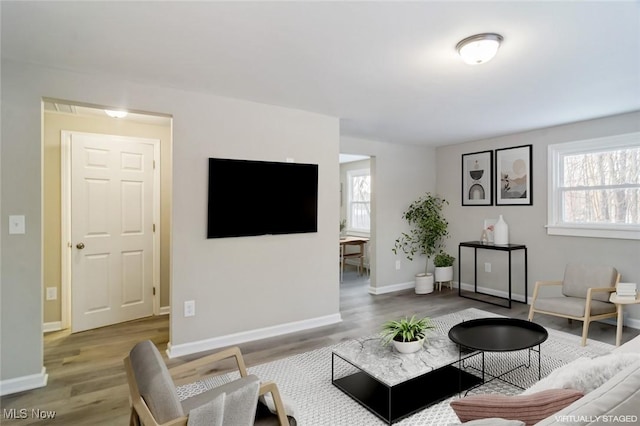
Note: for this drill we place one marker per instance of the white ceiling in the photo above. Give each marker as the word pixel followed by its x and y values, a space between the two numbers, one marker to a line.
pixel 389 70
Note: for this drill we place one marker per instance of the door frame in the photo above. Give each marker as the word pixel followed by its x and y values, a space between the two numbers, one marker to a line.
pixel 65 226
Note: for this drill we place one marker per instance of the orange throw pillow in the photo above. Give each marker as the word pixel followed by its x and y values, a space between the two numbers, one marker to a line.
pixel 527 408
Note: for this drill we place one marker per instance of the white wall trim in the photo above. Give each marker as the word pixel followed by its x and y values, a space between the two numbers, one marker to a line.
pixel 24 383
pixel 183 349
pixel 517 297
pixel 51 326
pixel 165 310
pixel 391 288
pixel 631 322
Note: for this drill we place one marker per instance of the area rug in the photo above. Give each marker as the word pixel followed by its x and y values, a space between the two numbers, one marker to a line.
pixel 305 379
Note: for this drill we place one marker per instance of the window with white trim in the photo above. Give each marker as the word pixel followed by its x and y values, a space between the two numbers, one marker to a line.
pixel 359 200
pixel 594 188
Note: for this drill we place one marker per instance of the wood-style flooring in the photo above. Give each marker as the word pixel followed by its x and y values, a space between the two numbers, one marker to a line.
pixel 87 383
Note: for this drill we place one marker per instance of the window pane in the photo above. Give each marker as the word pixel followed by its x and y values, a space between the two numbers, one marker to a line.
pixel 360 215
pixel 361 188
pixel 610 206
pixel 617 167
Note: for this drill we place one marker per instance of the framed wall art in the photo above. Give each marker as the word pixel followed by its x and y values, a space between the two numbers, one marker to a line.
pixel 477 179
pixel 513 176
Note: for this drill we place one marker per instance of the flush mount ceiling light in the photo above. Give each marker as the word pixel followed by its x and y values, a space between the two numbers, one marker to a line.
pixel 116 114
pixel 479 48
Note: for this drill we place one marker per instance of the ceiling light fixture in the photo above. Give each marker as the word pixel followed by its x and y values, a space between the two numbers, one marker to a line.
pixel 116 114
pixel 479 48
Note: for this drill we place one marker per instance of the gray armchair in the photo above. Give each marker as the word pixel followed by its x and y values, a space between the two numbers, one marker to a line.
pixel 154 400
pixel 585 295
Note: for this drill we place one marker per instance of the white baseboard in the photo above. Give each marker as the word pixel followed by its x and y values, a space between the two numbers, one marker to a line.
pixel 183 349
pixel 632 322
pixel 165 310
pixel 48 327
pixel 391 288
pixel 493 292
pixel 24 383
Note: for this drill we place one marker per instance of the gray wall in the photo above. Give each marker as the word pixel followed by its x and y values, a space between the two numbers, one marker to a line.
pixel 548 255
pixel 238 284
pixel 400 174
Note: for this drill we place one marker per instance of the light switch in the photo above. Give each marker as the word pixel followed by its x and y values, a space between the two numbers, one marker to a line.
pixel 52 293
pixel 16 224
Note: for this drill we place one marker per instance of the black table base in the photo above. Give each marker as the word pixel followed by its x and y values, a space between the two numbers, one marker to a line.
pixel 483 372
pixel 480 296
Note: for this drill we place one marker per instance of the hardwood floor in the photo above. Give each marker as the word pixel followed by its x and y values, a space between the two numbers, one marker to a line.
pixel 87 383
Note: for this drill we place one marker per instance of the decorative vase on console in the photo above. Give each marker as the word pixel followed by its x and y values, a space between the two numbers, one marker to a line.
pixel 501 232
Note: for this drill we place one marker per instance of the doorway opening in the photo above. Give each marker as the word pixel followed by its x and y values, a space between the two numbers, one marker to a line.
pixel 357 220
pixel 137 144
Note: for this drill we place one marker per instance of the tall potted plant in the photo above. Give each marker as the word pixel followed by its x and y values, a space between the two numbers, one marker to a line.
pixel 426 236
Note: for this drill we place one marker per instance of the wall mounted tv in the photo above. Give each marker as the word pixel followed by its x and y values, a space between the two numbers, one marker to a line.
pixel 261 198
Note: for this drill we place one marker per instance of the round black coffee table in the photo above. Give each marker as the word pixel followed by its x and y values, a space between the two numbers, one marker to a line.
pixel 499 335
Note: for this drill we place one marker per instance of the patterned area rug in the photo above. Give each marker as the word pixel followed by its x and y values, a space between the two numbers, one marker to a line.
pixel 305 379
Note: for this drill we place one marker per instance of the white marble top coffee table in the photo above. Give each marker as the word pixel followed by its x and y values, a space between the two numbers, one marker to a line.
pixel 394 385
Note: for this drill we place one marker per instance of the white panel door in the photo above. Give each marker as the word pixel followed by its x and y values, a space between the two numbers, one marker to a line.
pixel 111 230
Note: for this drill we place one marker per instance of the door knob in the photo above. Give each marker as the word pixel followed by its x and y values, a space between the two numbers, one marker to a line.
pixel 80 246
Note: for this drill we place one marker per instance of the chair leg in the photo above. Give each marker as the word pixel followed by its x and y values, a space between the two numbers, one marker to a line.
pixel 134 420
pixel 585 331
pixel 531 313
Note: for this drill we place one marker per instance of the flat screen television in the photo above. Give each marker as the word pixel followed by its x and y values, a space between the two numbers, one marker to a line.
pixel 261 198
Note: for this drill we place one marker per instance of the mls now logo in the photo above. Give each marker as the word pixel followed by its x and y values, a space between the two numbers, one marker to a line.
pixel 23 413
pixel 14 413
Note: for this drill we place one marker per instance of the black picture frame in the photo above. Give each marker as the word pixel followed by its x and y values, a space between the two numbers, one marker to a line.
pixel 514 176
pixel 477 178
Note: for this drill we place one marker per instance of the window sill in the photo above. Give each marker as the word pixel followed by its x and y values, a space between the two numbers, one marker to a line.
pixel 592 232
pixel 357 233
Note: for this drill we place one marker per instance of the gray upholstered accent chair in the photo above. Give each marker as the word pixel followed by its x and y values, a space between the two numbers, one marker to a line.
pixel 154 400
pixel 585 295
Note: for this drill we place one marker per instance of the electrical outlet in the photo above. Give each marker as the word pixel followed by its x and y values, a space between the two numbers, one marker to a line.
pixel 52 293
pixel 487 267
pixel 16 224
pixel 190 308
pixel 397 265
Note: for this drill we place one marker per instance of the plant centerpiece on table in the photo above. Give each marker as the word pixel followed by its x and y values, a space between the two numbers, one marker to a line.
pixel 444 267
pixel 406 334
pixel 429 229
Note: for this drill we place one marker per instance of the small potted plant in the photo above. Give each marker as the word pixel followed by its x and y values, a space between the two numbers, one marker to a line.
pixel 426 237
pixel 444 267
pixel 406 334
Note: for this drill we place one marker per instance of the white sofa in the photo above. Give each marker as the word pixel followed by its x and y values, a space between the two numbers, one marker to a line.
pixel 617 401
pixel 614 397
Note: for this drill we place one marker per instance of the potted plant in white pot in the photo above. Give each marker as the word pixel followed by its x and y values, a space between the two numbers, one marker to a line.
pixel 443 263
pixel 406 335
pixel 429 229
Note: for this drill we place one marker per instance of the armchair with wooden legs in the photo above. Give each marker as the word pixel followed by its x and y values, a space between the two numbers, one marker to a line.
pixel 585 295
pixel 155 402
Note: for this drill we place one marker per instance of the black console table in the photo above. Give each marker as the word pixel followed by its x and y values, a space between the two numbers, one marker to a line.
pixel 509 248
